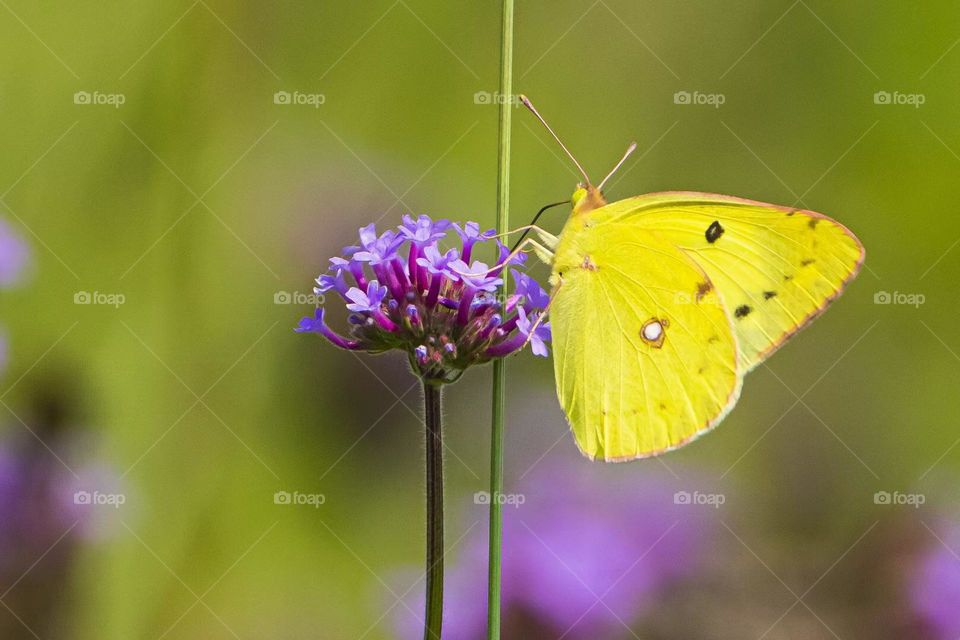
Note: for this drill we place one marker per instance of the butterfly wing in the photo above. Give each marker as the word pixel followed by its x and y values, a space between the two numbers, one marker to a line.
pixel 774 268
pixel 629 394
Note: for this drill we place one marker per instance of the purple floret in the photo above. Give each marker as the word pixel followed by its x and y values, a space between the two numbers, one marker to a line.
pixel 370 300
pixel 376 249
pixel 423 230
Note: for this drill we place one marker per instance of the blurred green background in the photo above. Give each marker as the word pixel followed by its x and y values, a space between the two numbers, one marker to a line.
pixel 199 199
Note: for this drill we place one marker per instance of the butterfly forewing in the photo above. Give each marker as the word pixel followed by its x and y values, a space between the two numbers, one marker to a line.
pixel 774 268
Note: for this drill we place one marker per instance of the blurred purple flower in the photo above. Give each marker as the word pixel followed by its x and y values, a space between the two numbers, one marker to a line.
pixel 14 254
pixel 935 589
pixel 585 552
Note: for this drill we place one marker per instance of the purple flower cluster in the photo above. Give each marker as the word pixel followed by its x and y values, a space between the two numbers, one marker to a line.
pixel 405 290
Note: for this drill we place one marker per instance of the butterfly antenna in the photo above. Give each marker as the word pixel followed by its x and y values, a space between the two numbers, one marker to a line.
pixel 529 105
pixel 630 149
pixel 537 217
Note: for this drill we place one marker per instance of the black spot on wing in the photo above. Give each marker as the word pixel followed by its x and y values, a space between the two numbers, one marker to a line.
pixel 714 231
pixel 807 262
pixel 769 294
pixel 703 288
pixel 742 311
pixel 812 223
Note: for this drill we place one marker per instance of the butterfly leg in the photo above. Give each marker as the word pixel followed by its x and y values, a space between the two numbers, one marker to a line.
pixel 546 237
pixel 542 252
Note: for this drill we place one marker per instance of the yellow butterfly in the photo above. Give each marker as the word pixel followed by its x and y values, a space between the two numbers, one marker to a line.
pixel 661 303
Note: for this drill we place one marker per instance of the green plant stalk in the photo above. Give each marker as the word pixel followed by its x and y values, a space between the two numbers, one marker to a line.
pixel 499 374
pixel 433 421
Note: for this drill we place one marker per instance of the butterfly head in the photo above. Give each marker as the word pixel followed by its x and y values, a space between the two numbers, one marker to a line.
pixel 586 198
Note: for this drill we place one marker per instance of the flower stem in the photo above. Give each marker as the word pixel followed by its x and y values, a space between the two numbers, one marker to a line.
pixel 499 374
pixel 433 620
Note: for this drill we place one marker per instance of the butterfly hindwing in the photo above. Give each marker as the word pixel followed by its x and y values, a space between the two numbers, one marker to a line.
pixel 774 268
pixel 629 394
